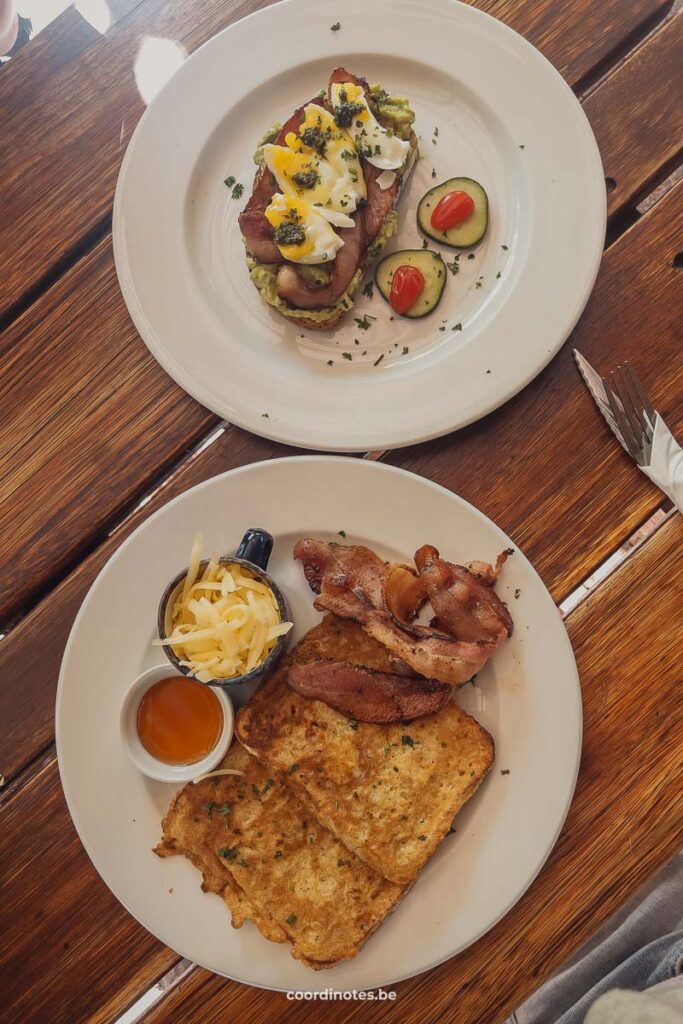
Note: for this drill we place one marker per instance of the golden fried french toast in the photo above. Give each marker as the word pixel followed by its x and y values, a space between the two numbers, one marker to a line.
pixel 388 792
pixel 272 862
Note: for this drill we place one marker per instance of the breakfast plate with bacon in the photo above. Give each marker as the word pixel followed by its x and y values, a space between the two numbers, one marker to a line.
pixel 351 230
pixel 406 731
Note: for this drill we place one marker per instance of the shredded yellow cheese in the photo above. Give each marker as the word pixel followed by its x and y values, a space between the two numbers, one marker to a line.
pixel 224 623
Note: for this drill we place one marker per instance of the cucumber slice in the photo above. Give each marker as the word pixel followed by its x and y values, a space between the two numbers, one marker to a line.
pixel 431 265
pixel 470 231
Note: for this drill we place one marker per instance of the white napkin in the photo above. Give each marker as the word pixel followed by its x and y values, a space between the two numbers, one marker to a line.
pixel 666 463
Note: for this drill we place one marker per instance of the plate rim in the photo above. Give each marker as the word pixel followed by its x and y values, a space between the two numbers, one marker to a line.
pixel 371 466
pixel 302 436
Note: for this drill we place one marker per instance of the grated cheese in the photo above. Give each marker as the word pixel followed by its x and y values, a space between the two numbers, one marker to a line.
pixel 224 623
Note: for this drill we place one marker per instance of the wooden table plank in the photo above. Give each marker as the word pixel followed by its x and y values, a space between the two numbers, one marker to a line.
pixel 624 823
pixel 89 418
pixel 69 950
pixel 82 115
pixel 545 466
pixel 29 678
pixel 637 115
pixel 63 40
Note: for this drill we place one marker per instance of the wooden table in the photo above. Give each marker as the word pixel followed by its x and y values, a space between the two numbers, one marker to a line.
pixel 91 426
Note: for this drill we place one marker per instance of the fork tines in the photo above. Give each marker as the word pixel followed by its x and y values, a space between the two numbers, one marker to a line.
pixel 632 411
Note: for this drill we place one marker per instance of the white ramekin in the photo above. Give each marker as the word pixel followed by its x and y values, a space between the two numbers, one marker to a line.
pixel 141 758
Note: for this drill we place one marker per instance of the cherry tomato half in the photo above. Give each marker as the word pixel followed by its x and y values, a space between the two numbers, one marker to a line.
pixel 407 285
pixel 452 209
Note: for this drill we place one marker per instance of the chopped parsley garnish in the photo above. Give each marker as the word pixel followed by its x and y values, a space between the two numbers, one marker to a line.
pixel 407 741
pixel 237 191
pixel 497 275
pixel 477 284
pixel 292 768
pixel 424 243
pixel 342 533
pixel 347 154
pixel 306 179
pixel 433 172
pixel 364 322
pixel 289 233
pixel 504 248
pixel 504 771
pixel 227 853
pixel 224 809
pixel 347 355
pixel 367 290
pixel 422 838
pixel 436 132
pixel 405 351
pixel 330 362
pixel 517 593
pixel 278 854
pixel 335 27
pixel 457 327
pixel 208 807
pixel 291 920
pixel 353 723
pixel 378 360
pixel 230 180
pixel 454 267
pixel 470 256
pixel 265 415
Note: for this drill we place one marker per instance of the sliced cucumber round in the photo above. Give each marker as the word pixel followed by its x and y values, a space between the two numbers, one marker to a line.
pixel 433 269
pixel 470 231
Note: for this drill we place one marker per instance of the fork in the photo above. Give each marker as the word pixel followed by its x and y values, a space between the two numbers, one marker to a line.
pixel 633 413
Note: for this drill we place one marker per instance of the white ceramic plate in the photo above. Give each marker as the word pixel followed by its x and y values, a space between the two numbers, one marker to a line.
pixel 528 697
pixel 505 117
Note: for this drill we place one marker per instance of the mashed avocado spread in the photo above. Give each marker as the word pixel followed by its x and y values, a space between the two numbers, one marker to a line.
pixel 395 109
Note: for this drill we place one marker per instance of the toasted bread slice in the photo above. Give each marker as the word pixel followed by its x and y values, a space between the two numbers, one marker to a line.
pixel 258 847
pixel 388 792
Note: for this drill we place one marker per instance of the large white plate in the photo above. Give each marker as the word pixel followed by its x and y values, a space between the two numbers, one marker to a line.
pixel 505 117
pixel 528 697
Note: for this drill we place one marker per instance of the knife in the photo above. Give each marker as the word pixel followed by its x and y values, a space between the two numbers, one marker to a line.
pixel 663 461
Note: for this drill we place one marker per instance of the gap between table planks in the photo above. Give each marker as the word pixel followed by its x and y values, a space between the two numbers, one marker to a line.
pixel 557 481
pixel 94 430
pixel 81 113
pixel 83 958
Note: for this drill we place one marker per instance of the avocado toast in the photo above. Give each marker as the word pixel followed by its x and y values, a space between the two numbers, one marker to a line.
pixel 324 198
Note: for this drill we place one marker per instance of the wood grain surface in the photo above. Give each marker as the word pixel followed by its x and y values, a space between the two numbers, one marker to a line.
pixel 637 115
pixel 545 466
pixel 65 128
pixel 625 821
pixel 69 952
pixel 29 679
pixel 88 419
